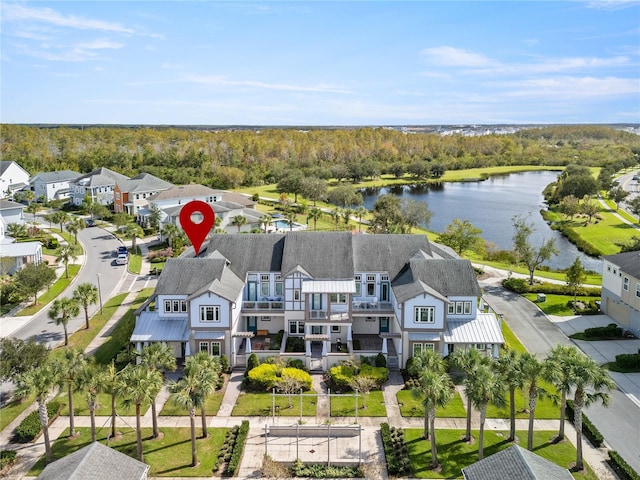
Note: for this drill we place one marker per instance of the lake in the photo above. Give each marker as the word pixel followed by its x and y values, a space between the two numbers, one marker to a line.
pixel 490 205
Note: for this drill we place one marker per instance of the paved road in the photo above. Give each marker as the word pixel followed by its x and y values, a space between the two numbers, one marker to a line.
pixel 620 422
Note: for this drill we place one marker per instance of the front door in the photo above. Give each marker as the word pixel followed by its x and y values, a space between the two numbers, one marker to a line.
pixel 384 292
pixel 252 295
pixel 252 324
pixel 384 324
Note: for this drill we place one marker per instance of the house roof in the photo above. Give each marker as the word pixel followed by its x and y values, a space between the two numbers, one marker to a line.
pixel 628 262
pixel 59 176
pixel 184 276
pixel 386 252
pixel 144 182
pixel 151 328
pixel 100 177
pixel 515 463
pixel 10 205
pixel 482 329
pixel 5 164
pixel 247 252
pixel 449 277
pixel 183 191
pixel 22 249
pixel 321 254
pixel 95 462
pixel 227 286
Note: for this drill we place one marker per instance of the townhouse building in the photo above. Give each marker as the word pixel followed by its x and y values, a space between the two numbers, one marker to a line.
pixel 98 185
pixel 321 297
pixel 621 290
pixel 53 185
pixel 133 194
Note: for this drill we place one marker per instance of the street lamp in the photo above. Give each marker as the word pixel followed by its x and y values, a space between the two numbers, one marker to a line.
pixel 99 292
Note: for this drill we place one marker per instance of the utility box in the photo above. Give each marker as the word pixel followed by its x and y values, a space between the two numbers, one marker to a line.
pixel 541 298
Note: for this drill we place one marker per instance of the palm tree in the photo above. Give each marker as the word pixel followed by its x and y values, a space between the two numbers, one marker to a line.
pixel 86 294
pixel 484 386
pixel 186 393
pixel 33 208
pixel 60 217
pixel 239 221
pixel 112 386
pixel 532 371
pixel 61 312
pixel 265 221
pixel 426 360
pixel 72 366
pixel 467 361
pixel 558 365
pixel 314 214
pixel 40 381
pixel 590 379
pixel 206 369
pixel 74 226
pixel 140 385
pixel 67 253
pixel 17 230
pixel 360 213
pixel 93 381
pixel 134 232
pixel 171 231
pixel 336 214
pixel 291 217
pixel 509 367
pixel 158 356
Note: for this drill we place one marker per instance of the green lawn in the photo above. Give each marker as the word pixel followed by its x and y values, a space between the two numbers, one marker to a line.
pixel 169 456
pixel 345 405
pixel 135 262
pixel 595 280
pixel 545 408
pixel 511 341
pixel 52 293
pixel 557 304
pixel 12 409
pixel 412 407
pixel 260 405
pixel 455 454
pixel 122 332
pixel 211 406
pixel 81 408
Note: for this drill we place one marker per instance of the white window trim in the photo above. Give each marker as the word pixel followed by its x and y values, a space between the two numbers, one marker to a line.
pixel 430 313
pixel 625 284
pixel 215 310
pixel 338 298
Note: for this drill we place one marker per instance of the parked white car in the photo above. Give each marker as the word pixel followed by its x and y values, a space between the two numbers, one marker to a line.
pixel 122 259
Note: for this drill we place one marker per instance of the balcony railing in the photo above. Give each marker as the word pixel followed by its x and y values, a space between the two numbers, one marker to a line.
pixel 326 315
pixel 370 306
pixel 263 305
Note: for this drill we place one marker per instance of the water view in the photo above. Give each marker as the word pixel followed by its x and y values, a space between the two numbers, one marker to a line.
pixel 490 205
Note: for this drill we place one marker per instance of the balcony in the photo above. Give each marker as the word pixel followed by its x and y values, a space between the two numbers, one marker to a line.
pixel 265 304
pixel 360 307
pixel 333 316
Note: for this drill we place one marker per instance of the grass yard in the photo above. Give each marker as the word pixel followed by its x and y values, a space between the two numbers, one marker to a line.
pixel 12 409
pixel 169 456
pixel 412 407
pixel 511 341
pixel 345 405
pixel 122 332
pixel 454 454
pixel 595 280
pixel 52 293
pixel 545 408
pixel 81 408
pixel 211 406
pixel 260 405
pixel 135 262
pixel 557 304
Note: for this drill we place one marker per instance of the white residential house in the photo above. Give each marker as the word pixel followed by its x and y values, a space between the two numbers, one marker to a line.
pixel 12 212
pixel 98 185
pixel 14 256
pixel 621 290
pixel 53 185
pixel 333 294
pixel 132 196
pixel 12 178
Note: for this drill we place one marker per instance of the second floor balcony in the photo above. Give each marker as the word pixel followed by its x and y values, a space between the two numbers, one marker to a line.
pixel 264 304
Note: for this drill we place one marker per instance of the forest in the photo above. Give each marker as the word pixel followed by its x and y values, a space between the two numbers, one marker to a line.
pixel 231 158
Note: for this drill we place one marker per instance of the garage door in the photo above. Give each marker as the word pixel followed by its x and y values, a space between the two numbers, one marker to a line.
pixel 619 313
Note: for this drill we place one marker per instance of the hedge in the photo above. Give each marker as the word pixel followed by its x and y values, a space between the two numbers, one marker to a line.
pixel 30 426
pixel 521 285
pixel 610 331
pixel 267 375
pixel 7 458
pixel 622 468
pixel 341 375
pixel 590 431
pixel 629 361
pixel 395 450
pixel 238 448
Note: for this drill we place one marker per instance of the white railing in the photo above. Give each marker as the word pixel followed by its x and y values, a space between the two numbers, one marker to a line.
pixel 260 305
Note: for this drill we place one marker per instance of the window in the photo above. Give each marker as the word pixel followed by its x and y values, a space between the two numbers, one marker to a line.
pixel 418 348
pixel 467 308
pixel 458 308
pixel 338 298
pixel 296 294
pixel 209 313
pixel 212 348
pixel 316 330
pixel 215 349
pixel 175 306
pixel 451 309
pixel 625 284
pixel 278 289
pixel 296 328
pixel 203 347
pixel 316 301
pixel 358 285
pixel 335 328
pixel 264 285
pixel 638 290
pixel 424 314
pixel 371 285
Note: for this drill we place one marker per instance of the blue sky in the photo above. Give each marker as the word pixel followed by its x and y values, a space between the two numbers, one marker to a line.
pixel 320 63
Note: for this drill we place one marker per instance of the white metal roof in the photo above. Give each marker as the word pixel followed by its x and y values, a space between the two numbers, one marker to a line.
pixel 151 328
pixel 23 249
pixel 424 336
pixel 329 286
pixel 483 329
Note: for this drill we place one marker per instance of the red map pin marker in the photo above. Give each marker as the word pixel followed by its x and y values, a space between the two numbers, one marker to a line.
pixel 197 232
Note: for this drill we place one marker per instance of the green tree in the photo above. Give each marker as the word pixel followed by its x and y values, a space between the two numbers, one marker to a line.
pixel 265 221
pixel 74 226
pixel 134 232
pixel 575 277
pixel 387 216
pixel 414 213
pixel 508 365
pixel 32 278
pixel 559 371
pixel 86 294
pixel 314 214
pixel 112 386
pixel 632 245
pixel 239 221
pixel 18 356
pixel 468 361
pixel 461 235
pixel 206 369
pixel 314 188
pixel 484 386
pixel 291 217
pixel 526 253
pixel 345 195
pixel 187 394
pixel 292 183
pixel 17 230
pixel 120 219
pixel 419 169
pixel 618 194
pixel 569 206
pixel 67 254
pixel 591 384
pixel 155 216
pixel 61 311
pixel 589 207
pixel 533 372
pixel 33 208
pixel 634 206
pixel 92 381
pixel 60 218
pixel 139 386
pixel 72 368
pixel 360 213
pixel 40 381
pixel 171 231
pixel 158 356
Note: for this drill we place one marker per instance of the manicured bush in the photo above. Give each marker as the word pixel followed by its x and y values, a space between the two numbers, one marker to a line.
pixel 300 469
pixel 622 468
pixel 629 361
pixel 521 285
pixel 238 447
pixel 518 285
pixel 224 363
pixel 252 362
pixel 7 458
pixel 590 431
pixel 30 426
pixel 610 331
pixel 379 374
pixel 395 450
pixel 277 341
pixel 295 344
pixel 267 375
pixel 296 363
pixel 340 375
pixel 381 360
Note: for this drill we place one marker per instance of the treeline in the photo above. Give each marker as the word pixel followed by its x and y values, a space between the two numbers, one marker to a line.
pixel 250 157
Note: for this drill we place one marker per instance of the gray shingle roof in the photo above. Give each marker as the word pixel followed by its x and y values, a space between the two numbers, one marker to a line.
pixel 449 277
pixel 144 182
pixel 59 176
pixel 515 463
pixel 184 191
pixel 321 254
pixel 101 177
pixel 10 204
pixel 629 262
pixel 95 462
pixel 183 276
pixel 247 252
pixel 387 252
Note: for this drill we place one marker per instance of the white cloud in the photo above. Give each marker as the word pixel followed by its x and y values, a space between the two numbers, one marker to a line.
pixel 99 44
pixel 456 57
pixel 571 87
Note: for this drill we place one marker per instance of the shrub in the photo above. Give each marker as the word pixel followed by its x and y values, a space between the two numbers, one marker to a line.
pixel 340 375
pixel 521 285
pixel 252 362
pixel 30 426
pixel 381 360
pixel 629 361
pixel 238 448
pixel 296 363
pixel 398 463
pixel 610 331
pixel 622 468
pixel 277 341
pixel 518 285
pixel 295 344
pixel 52 243
pixel 300 469
pixel 379 374
pixel 265 376
pixel 7 458
pixel 224 363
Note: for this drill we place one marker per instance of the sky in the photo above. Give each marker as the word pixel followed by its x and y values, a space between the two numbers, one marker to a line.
pixel 320 63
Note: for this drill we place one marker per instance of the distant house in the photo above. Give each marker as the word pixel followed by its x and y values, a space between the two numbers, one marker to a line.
pixel 225 212
pixel 12 178
pixel 515 463
pixel 621 289
pixel 98 185
pixel 53 185
pixel 95 462
pixel 14 256
pixel 132 195
pixel 11 212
